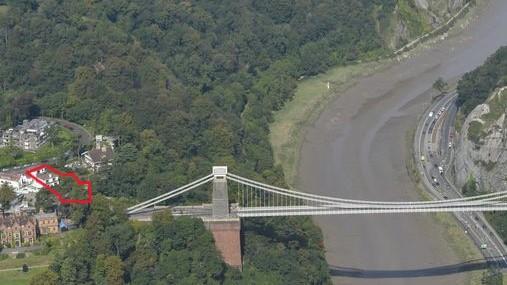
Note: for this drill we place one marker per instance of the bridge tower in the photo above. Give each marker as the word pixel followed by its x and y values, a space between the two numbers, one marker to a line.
pixel 225 227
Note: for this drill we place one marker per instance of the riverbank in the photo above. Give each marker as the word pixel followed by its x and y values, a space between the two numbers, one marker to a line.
pixel 354 146
pixel 312 95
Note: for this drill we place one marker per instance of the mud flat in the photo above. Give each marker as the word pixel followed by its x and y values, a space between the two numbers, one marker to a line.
pixel 357 149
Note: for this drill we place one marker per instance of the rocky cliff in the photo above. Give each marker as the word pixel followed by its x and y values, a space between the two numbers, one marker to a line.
pixel 481 151
pixel 413 18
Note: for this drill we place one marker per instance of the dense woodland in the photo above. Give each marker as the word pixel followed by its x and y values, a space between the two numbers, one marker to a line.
pixel 184 85
pixel 476 86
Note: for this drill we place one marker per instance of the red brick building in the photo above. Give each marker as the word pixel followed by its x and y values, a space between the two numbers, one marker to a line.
pixel 47 223
pixel 17 230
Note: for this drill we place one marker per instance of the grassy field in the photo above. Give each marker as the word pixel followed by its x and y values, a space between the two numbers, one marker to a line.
pixel 311 96
pixel 32 260
pixel 18 277
pixel 3 10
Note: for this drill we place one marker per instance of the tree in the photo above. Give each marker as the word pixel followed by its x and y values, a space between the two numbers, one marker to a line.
pixel 108 270
pixel 44 200
pixel 46 277
pixel 7 195
pixel 470 187
pixel 440 85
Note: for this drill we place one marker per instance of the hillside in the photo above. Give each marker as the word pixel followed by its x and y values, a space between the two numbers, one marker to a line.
pixel 184 85
pixel 481 154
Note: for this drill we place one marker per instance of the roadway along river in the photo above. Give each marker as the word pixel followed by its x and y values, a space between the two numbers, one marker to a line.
pixel 357 149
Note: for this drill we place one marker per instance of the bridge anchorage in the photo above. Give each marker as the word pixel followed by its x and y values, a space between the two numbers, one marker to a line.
pixel 256 199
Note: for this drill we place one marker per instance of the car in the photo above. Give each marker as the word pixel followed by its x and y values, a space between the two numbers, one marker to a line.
pixel 440 170
pixel 450 144
pixel 484 246
pixel 422 158
pixel 430 114
pixel 445 197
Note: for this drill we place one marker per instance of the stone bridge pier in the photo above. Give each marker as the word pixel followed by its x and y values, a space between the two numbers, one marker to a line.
pixel 225 227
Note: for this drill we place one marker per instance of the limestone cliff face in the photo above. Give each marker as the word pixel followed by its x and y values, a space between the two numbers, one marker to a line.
pixel 482 146
pixel 439 10
pixel 413 18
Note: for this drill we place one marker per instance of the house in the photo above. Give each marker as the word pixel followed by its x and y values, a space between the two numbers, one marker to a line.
pixel 47 223
pixel 11 179
pixel 23 184
pixel 29 136
pixel 67 224
pixel 101 140
pixel 17 230
pixel 97 158
pixel 101 155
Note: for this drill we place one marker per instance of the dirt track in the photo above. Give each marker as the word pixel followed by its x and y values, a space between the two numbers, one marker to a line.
pixel 357 149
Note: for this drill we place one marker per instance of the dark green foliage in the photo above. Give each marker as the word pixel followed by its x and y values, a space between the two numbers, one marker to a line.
pixel 184 86
pixel 492 277
pixel 470 187
pixel 476 86
pixel 440 85
pixel 499 222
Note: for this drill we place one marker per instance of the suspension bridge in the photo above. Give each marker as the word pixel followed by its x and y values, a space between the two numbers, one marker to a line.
pixel 251 198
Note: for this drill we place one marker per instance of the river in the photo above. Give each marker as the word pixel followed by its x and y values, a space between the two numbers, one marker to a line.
pixel 357 149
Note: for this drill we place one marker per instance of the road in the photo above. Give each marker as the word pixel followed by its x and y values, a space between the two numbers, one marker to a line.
pixel 84 136
pixel 434 143
pixel 358 149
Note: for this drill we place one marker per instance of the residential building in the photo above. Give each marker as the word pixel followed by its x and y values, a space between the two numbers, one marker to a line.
pixel 101 155
pixel 29 136
pixel 17 230
pixel 47 223
pixel 22 184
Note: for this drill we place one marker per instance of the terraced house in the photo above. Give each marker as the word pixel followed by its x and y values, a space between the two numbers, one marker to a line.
pixel 17 230
pixel 29 136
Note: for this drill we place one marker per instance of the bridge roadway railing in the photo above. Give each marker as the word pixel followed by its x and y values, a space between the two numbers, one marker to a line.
pixel 268 200
pixel 476 200
pixel 322 211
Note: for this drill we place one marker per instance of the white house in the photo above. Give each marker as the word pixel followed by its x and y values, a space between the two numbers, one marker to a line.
pixel 22 184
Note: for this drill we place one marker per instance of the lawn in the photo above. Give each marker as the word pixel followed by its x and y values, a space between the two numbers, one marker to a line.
pixel 3 10
pixel 32 260
pixel 18 277
pixel 13 156
pixel 14 277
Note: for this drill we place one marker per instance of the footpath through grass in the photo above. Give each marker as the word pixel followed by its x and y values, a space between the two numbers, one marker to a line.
pixel 32 260
pixel 18 277
pixel 10 268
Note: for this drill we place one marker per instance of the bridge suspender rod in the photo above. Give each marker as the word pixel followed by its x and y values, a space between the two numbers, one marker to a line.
pixel 169 193
pixel 175 193
pixel 292 197
pixel 490 196
pixel 165 196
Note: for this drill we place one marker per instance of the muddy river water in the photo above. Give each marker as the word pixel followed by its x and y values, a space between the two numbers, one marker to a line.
pixel 358 147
